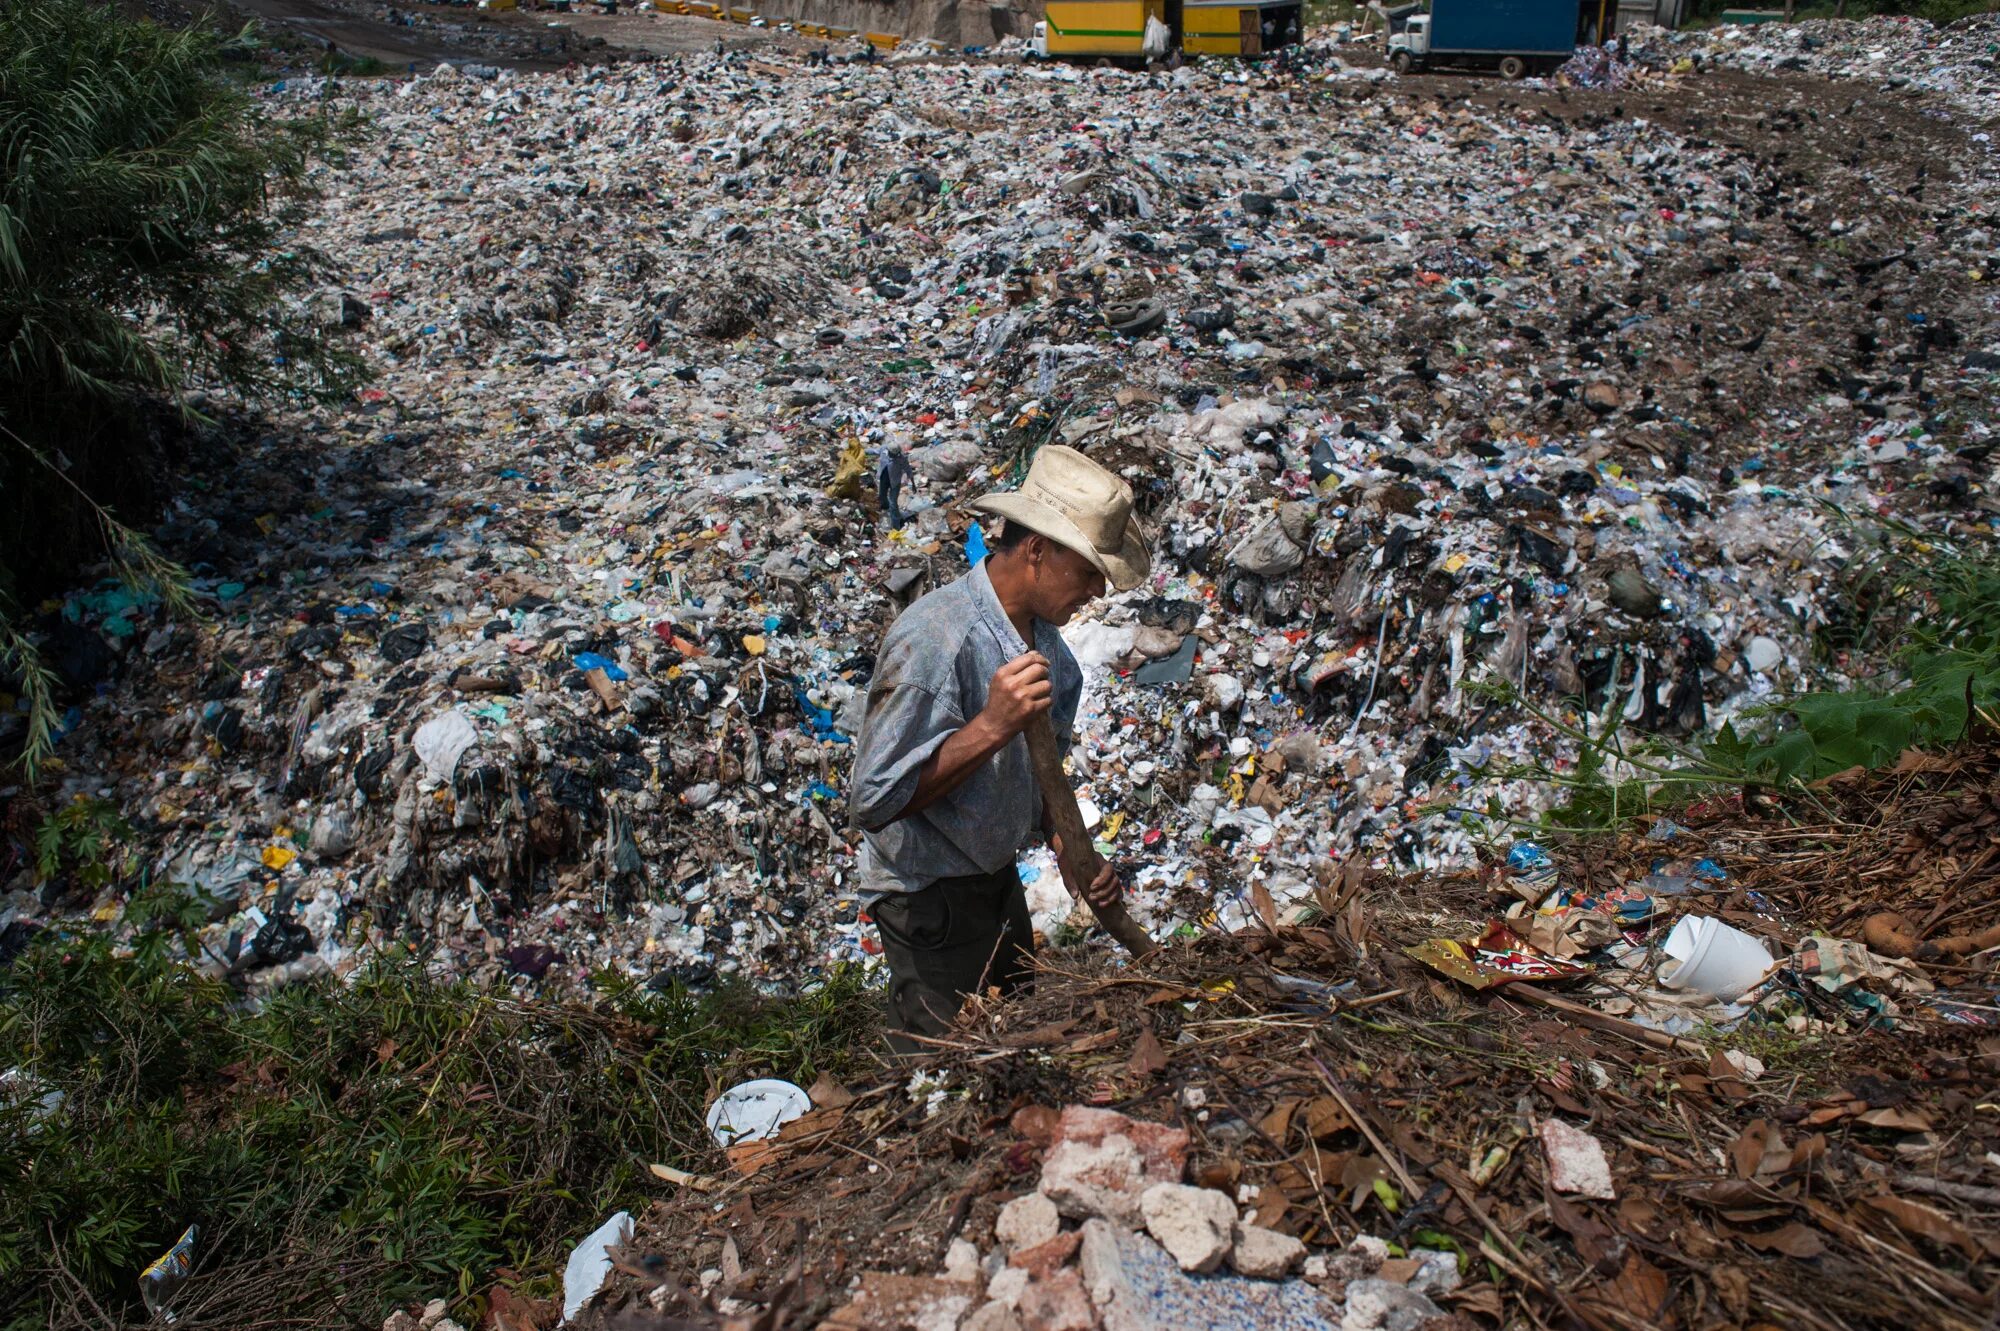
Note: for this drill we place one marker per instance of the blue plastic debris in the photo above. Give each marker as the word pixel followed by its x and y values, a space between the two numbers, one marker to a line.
pixel 592 661
pixel 819 719
pixel 1533 865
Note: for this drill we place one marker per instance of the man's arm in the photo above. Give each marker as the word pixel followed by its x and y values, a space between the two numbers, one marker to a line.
pixel 946 770
pixel 1019 690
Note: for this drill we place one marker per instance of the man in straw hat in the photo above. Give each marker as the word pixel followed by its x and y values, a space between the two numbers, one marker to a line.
pixel 942 786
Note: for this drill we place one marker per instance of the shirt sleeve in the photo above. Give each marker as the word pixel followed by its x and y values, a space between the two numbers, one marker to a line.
pixel 905 724
pixel 1066 692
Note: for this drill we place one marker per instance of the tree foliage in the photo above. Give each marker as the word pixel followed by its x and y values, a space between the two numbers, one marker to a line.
pixel 147 205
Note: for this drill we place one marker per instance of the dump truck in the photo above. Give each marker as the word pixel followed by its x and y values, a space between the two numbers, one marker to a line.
pixel 1515 37
pixel 1140 30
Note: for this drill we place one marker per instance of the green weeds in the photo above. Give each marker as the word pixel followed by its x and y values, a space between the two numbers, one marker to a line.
pixel 1928 610
pixel 1787 1054
pixel 1921 612
pixel 348 1147
pixel 85 841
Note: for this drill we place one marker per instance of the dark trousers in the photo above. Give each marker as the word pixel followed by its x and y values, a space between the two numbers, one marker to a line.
pixel 889 489
pixel 956 937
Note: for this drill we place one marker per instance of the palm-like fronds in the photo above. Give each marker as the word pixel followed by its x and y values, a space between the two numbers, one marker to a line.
pixel 145 207
pixel 142 201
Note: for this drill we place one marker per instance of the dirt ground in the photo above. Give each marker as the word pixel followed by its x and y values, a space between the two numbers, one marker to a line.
pixel 412 37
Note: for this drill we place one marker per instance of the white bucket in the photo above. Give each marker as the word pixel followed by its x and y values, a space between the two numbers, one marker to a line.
pixel 1712 958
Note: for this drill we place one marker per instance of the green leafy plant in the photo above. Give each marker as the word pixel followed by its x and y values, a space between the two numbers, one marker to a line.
pixel 147 214
pixel 1929 616
pixel 1918 613
pixel 144 208
pixel 84 840
pixel 1616 776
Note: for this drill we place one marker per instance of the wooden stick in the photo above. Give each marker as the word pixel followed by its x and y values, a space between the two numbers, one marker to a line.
pixel 1503 1250
pixel 1391 1158
pixel 1510 1257
pixel 1080 860
pixel 1969 1193
pixel 1950 894
pixel 1589 1016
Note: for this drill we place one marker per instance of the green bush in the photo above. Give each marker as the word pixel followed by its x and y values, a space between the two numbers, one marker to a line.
pixel 146 249
pixel 143 208
pixel 1927 610
pixel 1916 613
pixel 345 1148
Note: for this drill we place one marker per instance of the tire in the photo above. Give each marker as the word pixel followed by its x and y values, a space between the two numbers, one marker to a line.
pixel 1135 318
pixel 1512 67
pixel 1400 62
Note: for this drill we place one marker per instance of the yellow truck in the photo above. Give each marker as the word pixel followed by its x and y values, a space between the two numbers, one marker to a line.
pixel 1153 29
pixel 1225 27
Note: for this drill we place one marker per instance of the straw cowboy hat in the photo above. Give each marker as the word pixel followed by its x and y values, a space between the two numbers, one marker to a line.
pixel 1081 506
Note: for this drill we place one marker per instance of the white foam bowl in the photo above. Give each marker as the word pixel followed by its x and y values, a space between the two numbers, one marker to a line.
pixel 1713 958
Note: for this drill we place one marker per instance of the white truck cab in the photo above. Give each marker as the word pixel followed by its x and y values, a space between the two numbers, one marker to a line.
pixel 1409 47
pixel 1038 45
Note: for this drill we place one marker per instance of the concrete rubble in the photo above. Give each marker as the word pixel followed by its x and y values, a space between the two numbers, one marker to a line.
pixel 1103 1164
pixel 1158 1271
pixel 1195 1225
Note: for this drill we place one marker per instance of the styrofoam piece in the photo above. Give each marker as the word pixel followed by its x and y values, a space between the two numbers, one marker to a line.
pixel 755 1110
pixel 1713 958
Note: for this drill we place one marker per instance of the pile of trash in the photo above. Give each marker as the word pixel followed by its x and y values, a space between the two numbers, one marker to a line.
pixel 1682 932
pixel 1461 429
pixel 1954 60
pixel 1597 67
pixel 1311 1127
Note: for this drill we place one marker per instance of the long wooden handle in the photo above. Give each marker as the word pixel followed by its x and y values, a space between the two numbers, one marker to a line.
pixel 1080 860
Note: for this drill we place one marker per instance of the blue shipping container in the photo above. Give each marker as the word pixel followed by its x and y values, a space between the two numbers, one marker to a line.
pixel 1522 27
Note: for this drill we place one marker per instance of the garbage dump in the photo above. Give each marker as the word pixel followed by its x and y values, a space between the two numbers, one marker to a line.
pixel 1484 434
pixel 1468 424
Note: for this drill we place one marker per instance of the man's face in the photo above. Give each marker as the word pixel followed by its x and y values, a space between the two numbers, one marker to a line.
pixel 1064 581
